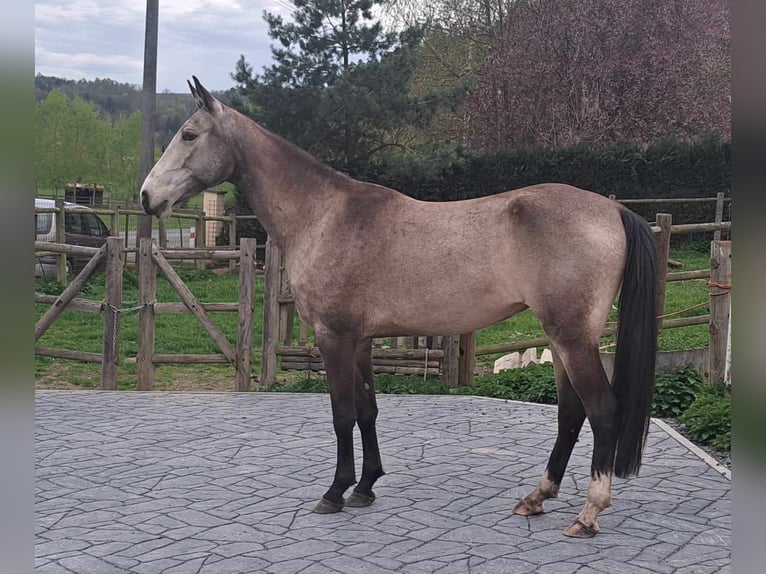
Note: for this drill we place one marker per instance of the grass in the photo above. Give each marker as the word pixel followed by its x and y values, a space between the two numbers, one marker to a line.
pixel 181 333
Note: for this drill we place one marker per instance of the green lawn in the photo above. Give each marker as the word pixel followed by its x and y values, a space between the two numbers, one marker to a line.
pixel 177 333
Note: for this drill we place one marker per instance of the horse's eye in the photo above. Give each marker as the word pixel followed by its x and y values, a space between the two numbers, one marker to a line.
pixel 188 136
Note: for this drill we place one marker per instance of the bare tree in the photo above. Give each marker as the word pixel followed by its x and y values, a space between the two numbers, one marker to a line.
pixel 596 71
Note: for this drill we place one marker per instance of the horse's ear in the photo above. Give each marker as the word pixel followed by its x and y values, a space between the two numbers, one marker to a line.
pixel 204 98
pixel 197 98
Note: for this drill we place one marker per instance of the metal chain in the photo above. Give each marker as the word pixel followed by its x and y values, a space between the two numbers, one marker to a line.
pixel 117 310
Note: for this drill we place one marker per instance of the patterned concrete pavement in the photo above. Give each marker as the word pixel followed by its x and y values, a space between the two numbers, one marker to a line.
pixel 223 484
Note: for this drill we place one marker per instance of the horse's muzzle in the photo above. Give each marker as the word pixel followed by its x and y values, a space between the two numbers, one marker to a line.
pixel 148 208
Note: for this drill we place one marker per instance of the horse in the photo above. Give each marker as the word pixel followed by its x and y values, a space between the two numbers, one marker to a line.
pixel 366 261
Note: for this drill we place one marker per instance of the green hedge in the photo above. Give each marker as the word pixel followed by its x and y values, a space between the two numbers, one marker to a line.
pixel 661 170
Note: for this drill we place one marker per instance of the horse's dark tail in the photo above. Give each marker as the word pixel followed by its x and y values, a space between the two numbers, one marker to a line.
pixel 636 351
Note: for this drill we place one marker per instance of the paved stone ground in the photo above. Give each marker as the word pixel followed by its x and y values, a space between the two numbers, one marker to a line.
pixel 224 483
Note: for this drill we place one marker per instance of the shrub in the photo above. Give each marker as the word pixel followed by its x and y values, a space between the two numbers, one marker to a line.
pixel 307 385
pixel 409 385
pixel 708 418
pixel 673 393
pixel 534 383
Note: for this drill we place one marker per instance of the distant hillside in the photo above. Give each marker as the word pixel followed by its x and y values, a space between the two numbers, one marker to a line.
pixel 116 100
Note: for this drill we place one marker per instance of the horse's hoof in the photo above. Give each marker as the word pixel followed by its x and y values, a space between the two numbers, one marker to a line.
pixel 325 506
pixel 523 508
pixel 359 500
pixel 581 530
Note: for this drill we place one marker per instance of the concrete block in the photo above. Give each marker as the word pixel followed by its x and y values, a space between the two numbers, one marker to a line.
pixel 529 357
pixel 512 361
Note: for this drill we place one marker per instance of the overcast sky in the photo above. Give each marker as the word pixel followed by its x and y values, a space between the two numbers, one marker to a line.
pixel 91 39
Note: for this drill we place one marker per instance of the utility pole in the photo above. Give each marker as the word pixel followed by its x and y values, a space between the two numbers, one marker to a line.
pixel 148 108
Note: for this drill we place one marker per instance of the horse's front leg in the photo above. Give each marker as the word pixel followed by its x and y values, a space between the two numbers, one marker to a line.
pixel 366 415
pixel 339 361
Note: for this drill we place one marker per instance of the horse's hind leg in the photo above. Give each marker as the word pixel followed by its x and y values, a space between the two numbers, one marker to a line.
pixel 589 381
pixel 339 360
pixel 366 415
pixel 571 416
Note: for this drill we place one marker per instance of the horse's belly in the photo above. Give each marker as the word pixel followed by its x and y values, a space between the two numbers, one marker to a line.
pixel 438 316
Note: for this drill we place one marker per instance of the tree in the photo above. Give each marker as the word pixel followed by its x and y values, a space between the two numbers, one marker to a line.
pixel 339 86
pixel 459 35
pixel 120 170
pixel 570 72
pixel 324 39
pixel 69 140
pixel 51 125
pixel 73 143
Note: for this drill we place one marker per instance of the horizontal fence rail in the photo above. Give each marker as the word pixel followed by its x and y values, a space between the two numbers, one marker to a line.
pixel 287 340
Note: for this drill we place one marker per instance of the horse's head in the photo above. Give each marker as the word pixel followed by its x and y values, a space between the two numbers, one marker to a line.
pixel 197 157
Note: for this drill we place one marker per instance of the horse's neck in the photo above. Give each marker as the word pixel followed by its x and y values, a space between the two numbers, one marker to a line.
pixel 285 187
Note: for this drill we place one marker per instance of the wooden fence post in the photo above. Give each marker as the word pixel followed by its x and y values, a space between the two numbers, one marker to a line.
pixel 451 360
pixel 60 215
pixel 147 279
pixel 162 234
pixel 111 346
pixel 270 336
pixel 114 222
pixel 718 214
pixel 467 360
pixel 245 315
pixel 286 310
pixel 233 241
pixel 199 237
pixel 720 306
pixel 664 222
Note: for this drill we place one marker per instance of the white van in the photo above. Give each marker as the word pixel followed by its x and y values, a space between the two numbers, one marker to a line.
pixel 82 227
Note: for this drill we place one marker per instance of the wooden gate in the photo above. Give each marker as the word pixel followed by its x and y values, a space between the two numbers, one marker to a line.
pixel 153 259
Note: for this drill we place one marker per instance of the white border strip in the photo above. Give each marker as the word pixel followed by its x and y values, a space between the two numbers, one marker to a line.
pixel 681 439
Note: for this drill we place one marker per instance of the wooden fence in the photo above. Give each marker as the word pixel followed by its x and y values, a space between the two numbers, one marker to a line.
pixel 153 259
pixel 453 356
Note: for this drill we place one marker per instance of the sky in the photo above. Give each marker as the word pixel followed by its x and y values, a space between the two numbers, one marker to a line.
pixel 90 39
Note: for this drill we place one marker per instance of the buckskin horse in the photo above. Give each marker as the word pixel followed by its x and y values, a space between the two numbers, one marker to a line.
pixel 366 261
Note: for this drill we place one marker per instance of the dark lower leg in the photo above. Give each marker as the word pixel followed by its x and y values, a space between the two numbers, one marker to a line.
pixel 338 356
pixel 367 413
pixel 571 416
pixel 345 474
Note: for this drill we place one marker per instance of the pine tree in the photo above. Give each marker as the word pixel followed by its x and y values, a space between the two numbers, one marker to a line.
pixel 339 84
